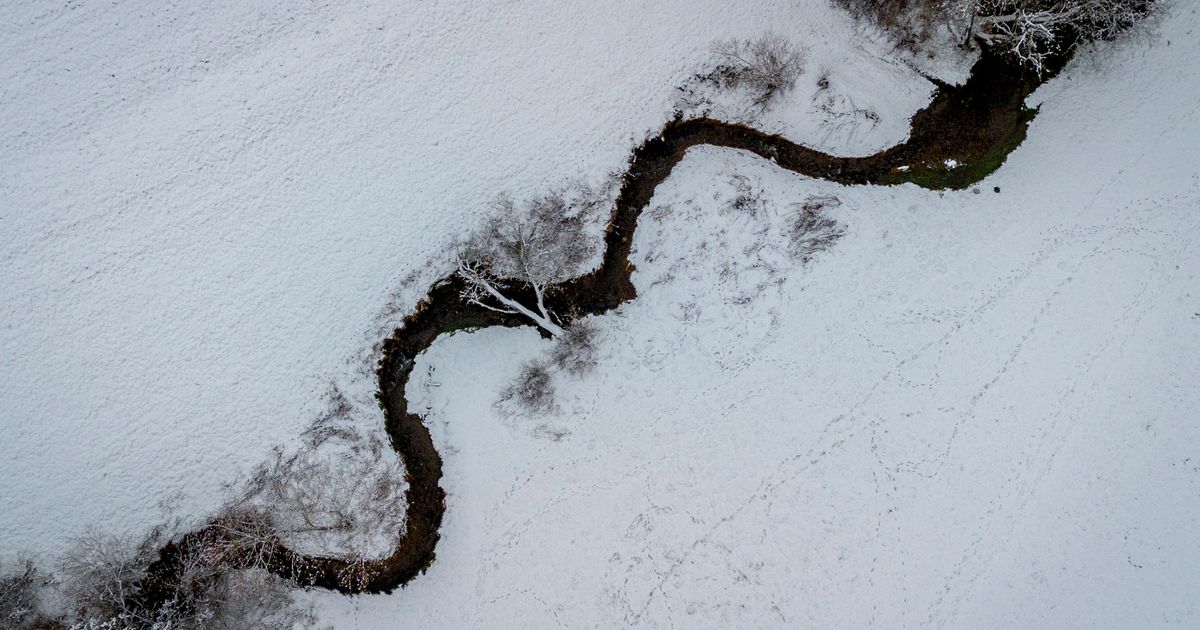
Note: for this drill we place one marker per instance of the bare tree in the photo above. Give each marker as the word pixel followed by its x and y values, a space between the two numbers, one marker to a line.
pixel 1029 31
pixel 532 246
pixel 101 576
pixel 1033 30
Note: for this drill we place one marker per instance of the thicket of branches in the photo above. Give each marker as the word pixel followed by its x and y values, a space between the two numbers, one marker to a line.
pixel 1029 31
pixel 106 582
pixel 21 604
pixel 765 66
pixel 575 350
pixel 533 391
pixel 743 78
pixel 909 22
pixel 342 492
pixel 811 230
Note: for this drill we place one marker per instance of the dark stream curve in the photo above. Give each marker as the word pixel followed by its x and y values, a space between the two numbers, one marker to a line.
pixel 976 124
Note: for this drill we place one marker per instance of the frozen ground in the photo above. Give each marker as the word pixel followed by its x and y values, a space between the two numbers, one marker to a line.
pixel 975 411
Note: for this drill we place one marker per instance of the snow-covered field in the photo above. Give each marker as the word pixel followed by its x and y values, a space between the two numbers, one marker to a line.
pixel 976 410
pixel 204 213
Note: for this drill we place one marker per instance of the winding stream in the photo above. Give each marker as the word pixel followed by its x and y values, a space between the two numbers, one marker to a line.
pixel 976 124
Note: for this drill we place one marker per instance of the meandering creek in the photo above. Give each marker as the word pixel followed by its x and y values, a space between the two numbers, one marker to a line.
pixel 976 125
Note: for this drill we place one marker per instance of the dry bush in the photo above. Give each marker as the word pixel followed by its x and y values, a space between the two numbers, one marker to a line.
pixel 533 390
pixel 224 582
pixel 21 596
pixel 742 79
pixel 106 579
pixel 342 493
pixel 766 66
pixel 812 231
pixel 574 351
pixel 239 599
pixel 357 572
pixel 245 537
pixel 101 575
pixel 747 200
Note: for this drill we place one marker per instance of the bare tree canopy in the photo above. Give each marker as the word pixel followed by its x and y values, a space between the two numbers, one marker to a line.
pixel 1030 31
pixel 534 246
pixel 221 583
pixel 335 496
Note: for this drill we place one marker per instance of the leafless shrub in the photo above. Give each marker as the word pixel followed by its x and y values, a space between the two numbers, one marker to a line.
pixel 527 246
pixel 21 596
pixel 533 390
pixel 101 575
pixel 574 351
pixel 357 572
pixel 747 200
pixel 224 583
pixel 106 578
pixel 238 599
pixel 340 494
pixel 245 537
pixel 766 66
pixel 812 231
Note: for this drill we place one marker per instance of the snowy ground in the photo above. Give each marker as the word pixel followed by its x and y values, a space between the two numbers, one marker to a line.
pixel 974 411
pixel 204 214
pixel 977 410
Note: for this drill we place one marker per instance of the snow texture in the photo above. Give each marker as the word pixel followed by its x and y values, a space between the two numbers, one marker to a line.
pixel 976 410
pixel 206 215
